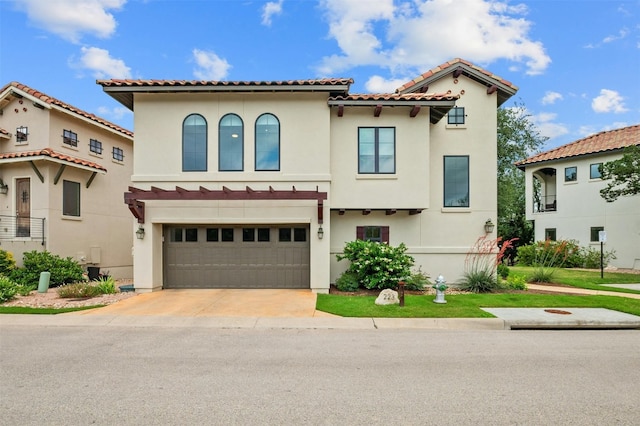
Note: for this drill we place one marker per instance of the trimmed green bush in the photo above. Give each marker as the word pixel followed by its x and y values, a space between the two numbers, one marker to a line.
pixel 63 271
pixel 517 282
pixel 8 289
pixel 377 265
pixel 348 281
pixel 7 262
pixel 502 270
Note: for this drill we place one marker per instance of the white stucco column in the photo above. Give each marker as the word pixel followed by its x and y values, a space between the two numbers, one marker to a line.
pixel 147 259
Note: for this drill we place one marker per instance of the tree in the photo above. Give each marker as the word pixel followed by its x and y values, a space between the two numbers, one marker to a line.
pixel 518 138
pixel 624 174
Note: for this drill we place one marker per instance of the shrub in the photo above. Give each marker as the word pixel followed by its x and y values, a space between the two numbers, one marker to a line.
pixel 481 263
pixel 106 285
pixel 591 257
pixel 63 271
pixel 7 262
pixel 348 281
pixel 480 281
pixel 24 290
pixel 417 281
pixel 517 282
pixel 8 289
pixel 78 290
pixel 502 270
pixel 377 265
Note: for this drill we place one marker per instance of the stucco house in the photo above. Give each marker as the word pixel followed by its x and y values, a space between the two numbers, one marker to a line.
pixel 62 175
pixel 261 183
pixel 563 196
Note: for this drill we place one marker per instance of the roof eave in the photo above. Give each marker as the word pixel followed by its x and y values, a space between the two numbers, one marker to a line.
pixel 124 95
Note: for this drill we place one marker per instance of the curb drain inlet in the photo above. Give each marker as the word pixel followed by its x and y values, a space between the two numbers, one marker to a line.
pixel 557 311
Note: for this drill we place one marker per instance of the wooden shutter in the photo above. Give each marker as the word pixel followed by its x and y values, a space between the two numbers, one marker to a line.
pixel 384 233
pixel 359 232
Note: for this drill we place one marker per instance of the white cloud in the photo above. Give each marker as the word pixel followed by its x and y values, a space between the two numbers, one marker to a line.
pixel 102 65
pixel 546 123
pixel 269 10
pixel 377 84
pixel 623 33
pixel 210 65
pixel 608 101
pixel 70 19
pixel 114 114
pixel 550 98
pixel 415 35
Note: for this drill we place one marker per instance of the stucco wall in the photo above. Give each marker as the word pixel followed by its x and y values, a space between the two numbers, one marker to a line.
pixel 580 207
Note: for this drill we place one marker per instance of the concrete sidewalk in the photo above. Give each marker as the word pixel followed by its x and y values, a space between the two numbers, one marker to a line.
pixel 295 309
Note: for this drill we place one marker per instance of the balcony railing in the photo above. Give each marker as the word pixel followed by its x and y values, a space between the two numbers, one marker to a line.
pixel 14 228
pixel 545 204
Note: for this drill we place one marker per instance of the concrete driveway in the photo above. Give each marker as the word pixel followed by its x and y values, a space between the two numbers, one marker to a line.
pixel 216 303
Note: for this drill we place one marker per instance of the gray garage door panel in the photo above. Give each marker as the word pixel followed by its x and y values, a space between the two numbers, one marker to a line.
pixel 199 263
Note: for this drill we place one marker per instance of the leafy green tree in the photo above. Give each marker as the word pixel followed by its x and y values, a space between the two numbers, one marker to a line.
pixel 518 138
pixel 624 174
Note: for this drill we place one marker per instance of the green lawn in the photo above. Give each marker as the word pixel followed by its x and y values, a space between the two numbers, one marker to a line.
pixel 585 279
pixel 466 305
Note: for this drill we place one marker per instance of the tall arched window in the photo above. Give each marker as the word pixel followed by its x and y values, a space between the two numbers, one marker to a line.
pixel 194 144
pixel 231 142
pixel 267 142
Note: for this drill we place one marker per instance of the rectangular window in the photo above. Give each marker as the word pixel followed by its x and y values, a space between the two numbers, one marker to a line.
pixel 227 234
pixel 456 115
pixel 595 171
pixel 595 233
pixel 175 235
pixel 95 146
pixel 264 234
pixel 191 235
pixel 300 234
pixel 373 233
pixel 570 174
pixel 248 235
pixel 550 234
pixel 118 154
pixel 70 138
pixel 376 150
pixel 21 134
pixel 70 198
pixel 212 234
pixel 456 181
pixel 284 235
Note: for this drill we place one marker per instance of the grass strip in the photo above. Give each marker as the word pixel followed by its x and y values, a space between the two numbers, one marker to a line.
pixel 43 311
pixel 466 305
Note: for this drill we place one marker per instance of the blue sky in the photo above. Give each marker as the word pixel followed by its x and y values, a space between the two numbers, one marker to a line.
pixel 577 63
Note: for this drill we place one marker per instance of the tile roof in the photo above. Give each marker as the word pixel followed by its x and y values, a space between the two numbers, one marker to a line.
pixel 122 90
pixel 70 108
pixel 451 64
pixel 48 152
pixel 408 97
pixel 205 83
pixel 600 142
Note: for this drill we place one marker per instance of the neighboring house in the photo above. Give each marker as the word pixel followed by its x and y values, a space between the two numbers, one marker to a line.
pixel 261 183
pixel 563 196
pixel 63 174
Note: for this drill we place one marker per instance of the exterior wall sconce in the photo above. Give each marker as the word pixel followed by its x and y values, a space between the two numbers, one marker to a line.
pixel 4 188
pixel 140 233
pixel 320 232
pixel 488 226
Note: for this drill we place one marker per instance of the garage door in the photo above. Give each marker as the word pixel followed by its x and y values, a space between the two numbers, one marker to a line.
pixel 236 256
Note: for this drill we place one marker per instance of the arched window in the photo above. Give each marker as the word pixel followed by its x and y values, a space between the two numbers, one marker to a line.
pixel 231 141
pixel 267 142
pixel 194 144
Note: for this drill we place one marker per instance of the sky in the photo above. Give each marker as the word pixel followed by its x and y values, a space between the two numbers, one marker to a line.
pixel 576 63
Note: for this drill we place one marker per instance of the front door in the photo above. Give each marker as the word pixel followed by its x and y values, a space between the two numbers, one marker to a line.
pixel 23 207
